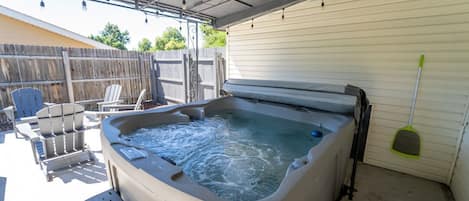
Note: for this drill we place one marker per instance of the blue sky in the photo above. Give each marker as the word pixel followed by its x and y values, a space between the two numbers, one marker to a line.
pixel 69 15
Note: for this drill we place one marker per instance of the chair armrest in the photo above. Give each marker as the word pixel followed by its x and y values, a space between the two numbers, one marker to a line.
pixel 123 107
pixel 110 102
pixel 30 119
pixel 9 112
pixel 26 130
pixel 49 104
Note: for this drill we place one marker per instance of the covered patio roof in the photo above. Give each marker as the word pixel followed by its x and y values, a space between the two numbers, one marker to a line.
pixel 219 13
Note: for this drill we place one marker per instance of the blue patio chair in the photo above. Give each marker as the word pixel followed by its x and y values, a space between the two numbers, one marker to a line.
pixel 26 102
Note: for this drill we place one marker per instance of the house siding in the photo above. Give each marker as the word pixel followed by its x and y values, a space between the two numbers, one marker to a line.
pixel 460 180
pixel 375 45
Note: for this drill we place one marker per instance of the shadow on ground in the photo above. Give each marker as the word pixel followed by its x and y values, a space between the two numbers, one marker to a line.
pixel 2 137
pixel 3 184
pixel 87 173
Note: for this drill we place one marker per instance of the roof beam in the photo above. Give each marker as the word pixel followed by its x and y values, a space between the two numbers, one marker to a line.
pixel 222 23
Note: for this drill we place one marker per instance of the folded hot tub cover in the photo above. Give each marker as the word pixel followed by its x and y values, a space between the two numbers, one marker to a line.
pixel 326 97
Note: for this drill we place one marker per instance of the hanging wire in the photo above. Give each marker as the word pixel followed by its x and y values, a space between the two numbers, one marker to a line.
pixel 83 5
pixel 322 3
pixel 42 4
pixel 283 13
pixel 252 23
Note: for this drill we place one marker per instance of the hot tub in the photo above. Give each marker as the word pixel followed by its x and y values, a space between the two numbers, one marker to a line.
pixel 266 140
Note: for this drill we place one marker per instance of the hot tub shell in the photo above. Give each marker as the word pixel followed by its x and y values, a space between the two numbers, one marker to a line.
pixel 319 175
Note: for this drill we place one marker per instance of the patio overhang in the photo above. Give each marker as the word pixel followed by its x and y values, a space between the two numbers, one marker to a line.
pixel 219 13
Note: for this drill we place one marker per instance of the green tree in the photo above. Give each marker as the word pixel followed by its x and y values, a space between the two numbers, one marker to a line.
pixel 111 35
pixel 144 45
pixel 171 39
pixel 212 37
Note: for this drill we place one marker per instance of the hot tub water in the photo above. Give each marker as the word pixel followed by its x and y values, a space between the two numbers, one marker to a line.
pixel 236 154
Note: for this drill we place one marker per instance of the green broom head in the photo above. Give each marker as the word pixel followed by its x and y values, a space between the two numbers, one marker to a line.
pixel 407 143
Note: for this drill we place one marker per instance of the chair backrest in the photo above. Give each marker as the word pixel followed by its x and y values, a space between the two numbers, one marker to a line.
pixel 27 101
pixel 59 125
pixel 141 97
pixel 113 93
pixel 60 118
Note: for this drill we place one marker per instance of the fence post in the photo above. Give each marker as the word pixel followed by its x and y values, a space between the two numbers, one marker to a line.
pixel 68 76
pixel 185 79
pixel 154 79
pixel 216 88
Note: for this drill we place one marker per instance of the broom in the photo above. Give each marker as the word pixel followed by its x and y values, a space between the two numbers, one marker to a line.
pixel 406 142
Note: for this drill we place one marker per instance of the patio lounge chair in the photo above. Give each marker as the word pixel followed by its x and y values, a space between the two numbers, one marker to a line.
pixel 119 107
pixel 26 102
pixel 59 142
pixel 111 96
pixel 115 109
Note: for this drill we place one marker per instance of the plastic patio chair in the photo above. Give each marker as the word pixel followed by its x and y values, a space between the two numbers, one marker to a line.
pixel 26 102
pixel 119 107
pixel 111 96
pixel 59 141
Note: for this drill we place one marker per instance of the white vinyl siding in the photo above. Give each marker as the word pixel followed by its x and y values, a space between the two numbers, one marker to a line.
pixel 375 45
pixel 460 182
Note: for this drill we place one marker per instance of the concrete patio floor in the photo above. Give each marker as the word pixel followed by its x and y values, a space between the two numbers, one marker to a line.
pixel 378 184
pixel 25 181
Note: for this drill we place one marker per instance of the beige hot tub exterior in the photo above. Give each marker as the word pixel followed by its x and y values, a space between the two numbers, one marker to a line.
pixel 319 176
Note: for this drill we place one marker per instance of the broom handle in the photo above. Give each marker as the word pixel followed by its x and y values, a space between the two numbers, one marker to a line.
pixel 416 90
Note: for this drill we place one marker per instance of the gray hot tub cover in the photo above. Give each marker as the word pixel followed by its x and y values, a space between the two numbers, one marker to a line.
pixel 326 97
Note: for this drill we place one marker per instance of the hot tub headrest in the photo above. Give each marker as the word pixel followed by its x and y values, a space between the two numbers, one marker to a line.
pixel 327 97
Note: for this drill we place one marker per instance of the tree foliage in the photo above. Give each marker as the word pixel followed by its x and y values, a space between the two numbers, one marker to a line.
pixel 111 35
pixel 171 39
pixel 212 37
pixel 144 45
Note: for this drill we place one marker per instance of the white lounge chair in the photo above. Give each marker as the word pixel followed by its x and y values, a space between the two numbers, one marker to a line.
pixel 116 109
pixel 111 96
pixel 59 142
pixel 119 107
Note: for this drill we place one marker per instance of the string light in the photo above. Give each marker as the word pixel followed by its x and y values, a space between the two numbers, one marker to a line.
pixel 180 26
pixel 252 23
pixel 184 4
pixel 283 13
pixel 42 4
pixel 83 5
pixel 146 19
pixel 322 3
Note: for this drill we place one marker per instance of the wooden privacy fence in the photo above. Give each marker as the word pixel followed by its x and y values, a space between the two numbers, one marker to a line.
pixel 72 74
pixel 176 80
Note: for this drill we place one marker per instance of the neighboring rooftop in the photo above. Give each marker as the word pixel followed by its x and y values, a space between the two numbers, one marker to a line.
pixel 24 29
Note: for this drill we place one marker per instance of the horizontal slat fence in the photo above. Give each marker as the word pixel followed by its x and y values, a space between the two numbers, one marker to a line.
pixel 91 70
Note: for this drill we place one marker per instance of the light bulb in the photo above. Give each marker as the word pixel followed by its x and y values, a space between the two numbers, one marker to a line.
pixel 184 4
pixel 83 5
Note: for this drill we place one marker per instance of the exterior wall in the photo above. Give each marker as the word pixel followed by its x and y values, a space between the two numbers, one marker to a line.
pixel 17 32
pixel 460 180
pixel 374 45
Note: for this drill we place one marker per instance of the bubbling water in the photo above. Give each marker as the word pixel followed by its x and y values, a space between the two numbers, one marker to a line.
pixel 238 155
